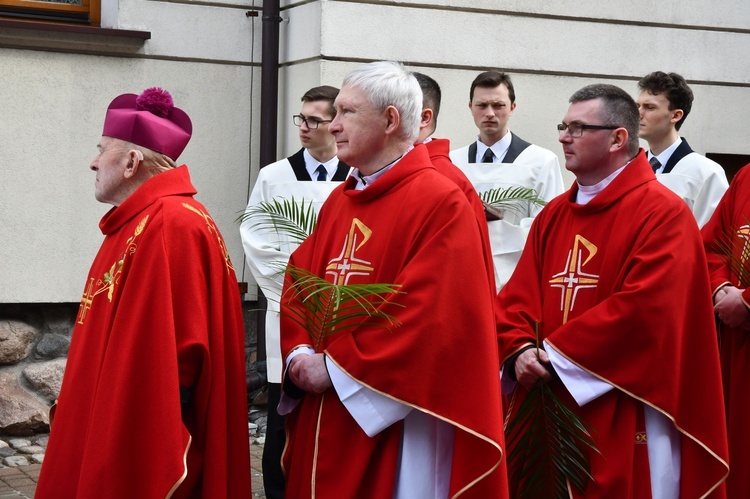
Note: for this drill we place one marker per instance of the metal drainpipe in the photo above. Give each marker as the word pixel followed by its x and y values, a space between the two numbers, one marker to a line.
pixel 269 97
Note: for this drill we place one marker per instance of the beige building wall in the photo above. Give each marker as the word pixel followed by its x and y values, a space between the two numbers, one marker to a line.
pixel 551 49
pixel 55 88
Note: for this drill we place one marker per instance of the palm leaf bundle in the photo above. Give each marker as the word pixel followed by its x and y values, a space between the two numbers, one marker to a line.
pixel 545 439
pixel 738 262
pixel 326 308
pixel 283 216
pixel 514 198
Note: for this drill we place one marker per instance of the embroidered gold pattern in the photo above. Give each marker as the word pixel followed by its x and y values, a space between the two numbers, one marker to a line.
pixel 211 226
pixel 640 437
pixel 572 279
pixel 744 233
pixel 111 278
pixel 347 264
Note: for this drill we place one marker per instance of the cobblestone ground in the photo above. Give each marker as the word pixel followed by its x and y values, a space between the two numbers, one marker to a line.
pixel 20 482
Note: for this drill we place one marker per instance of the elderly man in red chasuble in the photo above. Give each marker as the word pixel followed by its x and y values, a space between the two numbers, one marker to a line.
pixel 414 410
pixel 613 278
pixel 153 401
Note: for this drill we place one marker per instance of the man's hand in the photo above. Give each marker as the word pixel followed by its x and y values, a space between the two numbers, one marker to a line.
pixel 529 370
pixel 309 373
pixel 730 308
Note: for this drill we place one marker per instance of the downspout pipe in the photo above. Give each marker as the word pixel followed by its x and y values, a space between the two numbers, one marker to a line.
pixel 269 103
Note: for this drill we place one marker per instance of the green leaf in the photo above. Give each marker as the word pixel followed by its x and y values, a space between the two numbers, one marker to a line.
pixel 515 198
pixel 546 439
pixel 283 216
pixel 325 308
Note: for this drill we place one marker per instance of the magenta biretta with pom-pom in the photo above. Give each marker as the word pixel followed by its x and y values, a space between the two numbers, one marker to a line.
pixel 149 120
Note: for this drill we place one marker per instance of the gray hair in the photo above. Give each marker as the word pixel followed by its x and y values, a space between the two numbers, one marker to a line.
pixel 388 83
pixel 618 109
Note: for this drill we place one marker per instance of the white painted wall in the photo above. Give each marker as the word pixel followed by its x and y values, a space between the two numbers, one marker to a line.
pixel 52 105
pixel 551 49
pixel 54 89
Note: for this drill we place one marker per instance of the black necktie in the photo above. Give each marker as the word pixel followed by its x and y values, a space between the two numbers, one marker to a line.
pixel 488 157
pixel 322 173
pixel 655 165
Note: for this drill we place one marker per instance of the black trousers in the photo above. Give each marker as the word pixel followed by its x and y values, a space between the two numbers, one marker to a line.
pixel 273 478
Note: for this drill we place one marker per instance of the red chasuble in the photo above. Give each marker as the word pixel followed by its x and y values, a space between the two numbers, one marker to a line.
pixel 411 227
pixel 619 287
pixel 731 222
pixel 439 150
pixel 160 311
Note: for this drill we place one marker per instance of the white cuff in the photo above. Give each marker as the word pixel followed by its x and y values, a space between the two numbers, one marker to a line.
pixel 584 387
pixel 372 411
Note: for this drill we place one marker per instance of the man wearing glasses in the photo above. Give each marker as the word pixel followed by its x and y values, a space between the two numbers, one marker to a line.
pixel 614 280
pixel 501 159
pixel 310 175
pixel 664 103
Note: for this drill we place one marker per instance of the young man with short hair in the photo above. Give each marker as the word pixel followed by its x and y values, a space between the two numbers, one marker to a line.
pixel 664 103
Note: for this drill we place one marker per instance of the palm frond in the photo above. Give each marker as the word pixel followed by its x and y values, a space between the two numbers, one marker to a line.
pixel 515 198
pixel 738 262
pixel 326 308
pixel 546 439
pixel 284 216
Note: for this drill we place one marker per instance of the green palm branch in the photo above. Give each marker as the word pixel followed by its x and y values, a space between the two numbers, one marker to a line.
pixel 739 265
pixel 280 215
pixel 546 438
pixel 514 199
pixel 326 308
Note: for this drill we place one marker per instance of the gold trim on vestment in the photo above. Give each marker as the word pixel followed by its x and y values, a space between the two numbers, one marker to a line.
pixel 295 348
pixel 317 441
pixel 435 415
pixel 286 427
pixel 185 469
pixel 665 413
pixel 211 226
pixel 516 351
pixel 718 288
pixel 286 446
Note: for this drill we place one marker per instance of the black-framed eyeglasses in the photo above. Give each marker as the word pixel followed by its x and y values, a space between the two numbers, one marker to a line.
pixel 576 129
pixel 312 123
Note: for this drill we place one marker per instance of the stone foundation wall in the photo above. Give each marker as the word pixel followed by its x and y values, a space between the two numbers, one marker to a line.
pixel 34 343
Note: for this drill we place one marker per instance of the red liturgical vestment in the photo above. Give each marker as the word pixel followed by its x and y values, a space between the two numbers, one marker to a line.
pixel 439 150
pixel 730 225
pixel 412 227
pixel 619 287
pixel 159 321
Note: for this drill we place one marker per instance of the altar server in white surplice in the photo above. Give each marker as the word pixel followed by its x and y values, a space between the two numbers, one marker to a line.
pixel 499 158
pixel 310 175
pixel 664 103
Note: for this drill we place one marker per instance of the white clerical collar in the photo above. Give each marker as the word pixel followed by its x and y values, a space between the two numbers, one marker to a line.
pixel 367 180
pixel 499 148
pixel 665 154
pixel 311 164
pixel 588 192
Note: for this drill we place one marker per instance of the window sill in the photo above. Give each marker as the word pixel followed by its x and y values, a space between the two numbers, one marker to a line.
pixel 69 38
pixel 15 24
